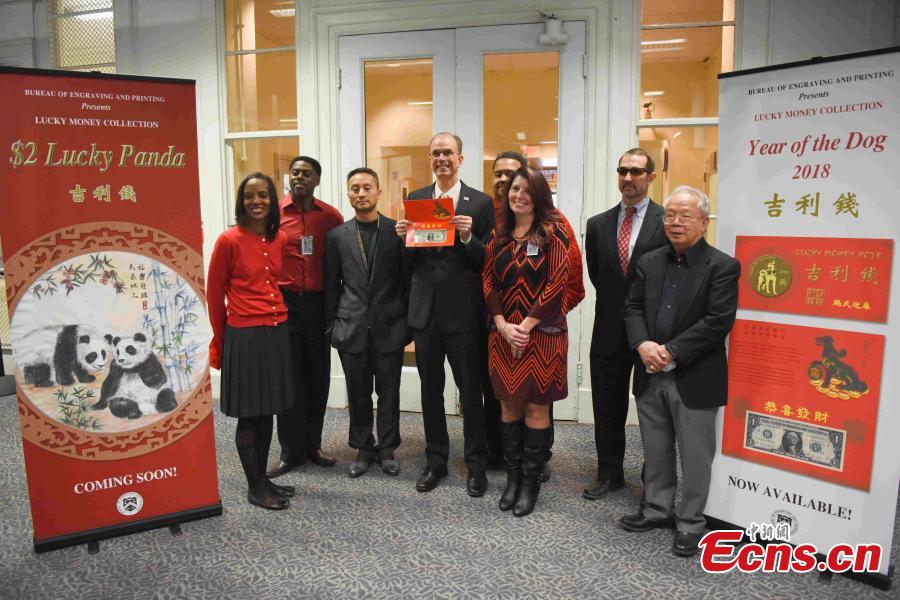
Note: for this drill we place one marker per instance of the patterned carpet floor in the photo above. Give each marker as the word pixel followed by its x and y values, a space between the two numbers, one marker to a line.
pixel 376 537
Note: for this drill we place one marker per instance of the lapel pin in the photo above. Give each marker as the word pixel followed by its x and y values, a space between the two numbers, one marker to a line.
pixel 466 198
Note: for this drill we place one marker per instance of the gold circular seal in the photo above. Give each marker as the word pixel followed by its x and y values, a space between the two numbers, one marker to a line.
pixel 770 276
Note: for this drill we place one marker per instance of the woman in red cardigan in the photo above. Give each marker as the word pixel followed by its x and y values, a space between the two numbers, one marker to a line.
pixel 250 338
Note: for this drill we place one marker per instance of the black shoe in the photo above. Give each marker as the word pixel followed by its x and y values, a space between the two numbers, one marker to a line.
pixel 429 478
pixel 390 465
pixel 318 457
pixel 686 543
pixel 602 487
pixel 476 484
pixel 285 491
pixel 282 467
pixel 545 473
pixel 268 500
pixel 360 465
pixel 638 523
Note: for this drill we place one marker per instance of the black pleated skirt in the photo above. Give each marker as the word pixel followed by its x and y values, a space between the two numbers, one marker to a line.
pixel 256 371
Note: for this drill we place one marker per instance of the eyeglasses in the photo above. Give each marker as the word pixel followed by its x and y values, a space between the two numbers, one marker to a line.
pixel 436 154
pixel 670 219
pixel 635 171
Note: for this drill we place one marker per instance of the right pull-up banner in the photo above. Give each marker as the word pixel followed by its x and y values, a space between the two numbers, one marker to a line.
pixel 809 173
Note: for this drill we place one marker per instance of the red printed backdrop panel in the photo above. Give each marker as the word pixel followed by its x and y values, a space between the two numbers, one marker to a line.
pixel 845 278
pixel 102 243
pixel 804 400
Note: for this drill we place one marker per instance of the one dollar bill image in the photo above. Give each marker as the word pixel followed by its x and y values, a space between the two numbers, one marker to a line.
pixel 430 236
pixel 803 442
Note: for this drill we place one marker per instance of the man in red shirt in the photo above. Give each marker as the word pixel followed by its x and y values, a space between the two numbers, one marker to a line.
pixel 306 220
pixel 504 169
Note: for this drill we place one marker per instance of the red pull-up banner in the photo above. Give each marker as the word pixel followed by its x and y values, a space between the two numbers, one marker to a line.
pixel 103 252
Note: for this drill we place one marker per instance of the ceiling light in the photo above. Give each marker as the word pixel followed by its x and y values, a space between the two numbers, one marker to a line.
pixel 423 103
pixel 520 135
pixel 654 93
pixel 677 133
pixel 282 12
pixel 662 42
pixel 548 142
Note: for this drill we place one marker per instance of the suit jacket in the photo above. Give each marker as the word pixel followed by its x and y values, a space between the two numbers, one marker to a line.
pixel 602 256
pixel 705 311
pixel 448 280
pixel 356 302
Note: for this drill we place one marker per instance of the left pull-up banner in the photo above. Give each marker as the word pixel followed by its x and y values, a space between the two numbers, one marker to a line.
pixel 103 249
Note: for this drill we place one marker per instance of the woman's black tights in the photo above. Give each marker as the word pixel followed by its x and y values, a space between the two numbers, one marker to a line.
pixel 253 438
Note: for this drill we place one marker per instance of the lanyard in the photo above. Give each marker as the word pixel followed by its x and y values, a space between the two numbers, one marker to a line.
pixel 362 248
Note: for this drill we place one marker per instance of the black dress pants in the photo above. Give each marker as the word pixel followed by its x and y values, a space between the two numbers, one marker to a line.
pixel 465 352
pixel 610 375
pixel 361 369
pixel 491 407
pixel 300 427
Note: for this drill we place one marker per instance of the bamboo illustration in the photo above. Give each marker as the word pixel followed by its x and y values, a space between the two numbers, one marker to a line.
pixel 174 308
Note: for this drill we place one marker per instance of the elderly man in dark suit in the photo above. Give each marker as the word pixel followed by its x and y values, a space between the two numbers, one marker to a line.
pixel 446 314
pixel 366 293
pixel 678 312
pixel 614 242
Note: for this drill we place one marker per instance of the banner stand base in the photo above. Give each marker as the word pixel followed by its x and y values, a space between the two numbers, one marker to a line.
pixel 878 580
pixel 94 535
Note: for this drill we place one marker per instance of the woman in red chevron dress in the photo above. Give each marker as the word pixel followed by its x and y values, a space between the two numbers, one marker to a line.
pixel 525 275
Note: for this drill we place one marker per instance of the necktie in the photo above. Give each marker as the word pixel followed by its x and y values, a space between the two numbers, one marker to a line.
pixel 443 195
pixel 625 238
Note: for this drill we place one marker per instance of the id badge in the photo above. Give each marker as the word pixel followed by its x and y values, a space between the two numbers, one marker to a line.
pixel 306 245
pixel 531 250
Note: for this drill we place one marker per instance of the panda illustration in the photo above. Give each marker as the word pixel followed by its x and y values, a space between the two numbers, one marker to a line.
pixel 136 384
pixel 61 354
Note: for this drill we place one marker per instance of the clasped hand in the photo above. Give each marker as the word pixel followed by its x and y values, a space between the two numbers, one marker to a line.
pixel 654 356
pixel 516 336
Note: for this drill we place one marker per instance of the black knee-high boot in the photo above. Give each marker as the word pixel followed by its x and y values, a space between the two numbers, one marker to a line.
pixel 511 434
pixel 248 439
pixel 535 455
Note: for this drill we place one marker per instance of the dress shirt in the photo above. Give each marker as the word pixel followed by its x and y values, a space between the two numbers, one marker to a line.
pixel 637 221
pixel 305 273
pixel 452 192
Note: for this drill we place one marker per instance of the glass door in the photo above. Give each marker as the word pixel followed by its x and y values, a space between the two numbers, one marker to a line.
pixel 500 90
pixel 515 94
pixel 396 91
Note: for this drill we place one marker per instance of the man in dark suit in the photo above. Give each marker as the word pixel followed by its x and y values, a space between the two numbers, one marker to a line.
pixel 446 314
pixel 615 240
pixel 366 292
pixel 678 312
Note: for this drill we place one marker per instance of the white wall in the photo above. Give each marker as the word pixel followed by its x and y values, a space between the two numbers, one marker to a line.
pixel 179 38
pixel 779 31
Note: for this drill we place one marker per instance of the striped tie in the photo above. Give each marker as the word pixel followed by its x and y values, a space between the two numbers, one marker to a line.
pixel 625 238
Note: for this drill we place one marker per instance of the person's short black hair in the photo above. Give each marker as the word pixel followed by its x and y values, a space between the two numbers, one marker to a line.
pixel 308 159
pixel 273 221
pixel 359 170
pixel 651 166
pixel 523 162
